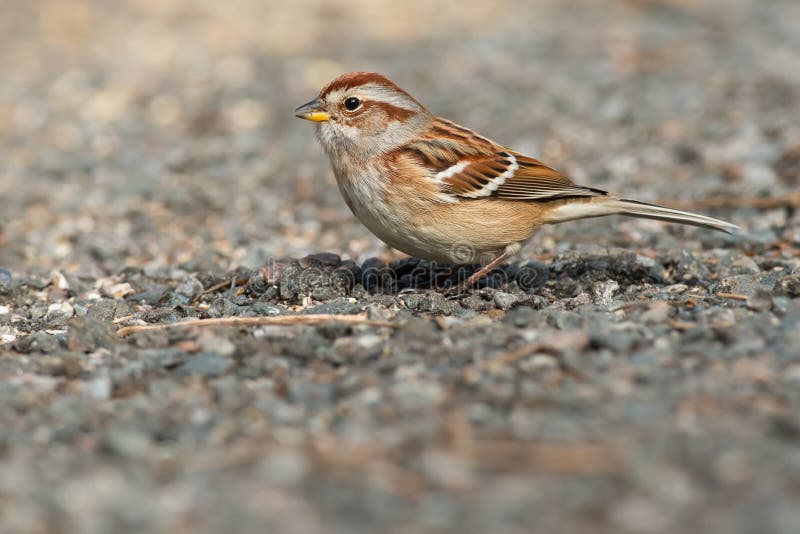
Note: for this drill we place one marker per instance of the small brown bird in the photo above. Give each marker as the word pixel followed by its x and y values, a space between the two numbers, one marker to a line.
pixel 438 191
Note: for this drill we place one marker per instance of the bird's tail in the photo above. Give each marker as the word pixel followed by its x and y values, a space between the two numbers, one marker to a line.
pixel 606 205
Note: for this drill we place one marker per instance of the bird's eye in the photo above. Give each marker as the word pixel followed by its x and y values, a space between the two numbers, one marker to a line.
pixel 352 103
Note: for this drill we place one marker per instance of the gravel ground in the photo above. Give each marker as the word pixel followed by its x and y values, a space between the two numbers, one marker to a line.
pixel 622 376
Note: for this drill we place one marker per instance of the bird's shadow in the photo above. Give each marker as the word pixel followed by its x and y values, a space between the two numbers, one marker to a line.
pixel 410 274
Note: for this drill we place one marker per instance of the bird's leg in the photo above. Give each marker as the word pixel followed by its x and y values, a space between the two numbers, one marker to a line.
pixel 510 250
pixel 469 282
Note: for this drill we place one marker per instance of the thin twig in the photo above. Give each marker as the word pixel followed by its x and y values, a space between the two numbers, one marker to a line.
pixel 562 459
pixel 682 325
pixel 123 319
pixel 512 356
pixel 280 320
pixel 732 296
pixel 628 306
pixel 233 282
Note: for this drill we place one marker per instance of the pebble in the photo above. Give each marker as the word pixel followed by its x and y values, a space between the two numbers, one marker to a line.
pixel 58 313
pixel 692 270
pixel 789 285
pixel 618 340
pixel 731 264
pixel 743 284
pixel 217 344
pixel 99 388
pixel 88 334
pixel 102 309
pixel 59 281
pixel 8 334
pixel 125 443
pixel 6 280
pixel 505 300
pixel 118 291
pixel 207 364
pixel 657 312
pixel 285 467
pixel 154 294
pixel 189 288
pixel 603 292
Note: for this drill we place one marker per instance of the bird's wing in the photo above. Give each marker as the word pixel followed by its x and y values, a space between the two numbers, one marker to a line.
pixel 466 165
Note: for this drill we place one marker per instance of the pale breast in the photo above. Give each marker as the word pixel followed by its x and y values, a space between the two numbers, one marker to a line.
pixel 365 195
pixel 413 221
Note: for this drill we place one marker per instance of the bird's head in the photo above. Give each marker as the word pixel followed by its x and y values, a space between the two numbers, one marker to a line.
pixel 364 114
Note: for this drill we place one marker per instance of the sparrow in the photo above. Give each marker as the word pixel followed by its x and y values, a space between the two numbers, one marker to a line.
pixel 439 191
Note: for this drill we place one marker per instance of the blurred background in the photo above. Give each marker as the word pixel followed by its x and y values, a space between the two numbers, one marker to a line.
pixel 159 135
pixel 160 132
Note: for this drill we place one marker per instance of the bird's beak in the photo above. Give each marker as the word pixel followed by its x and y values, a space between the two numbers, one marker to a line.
pixel 312 111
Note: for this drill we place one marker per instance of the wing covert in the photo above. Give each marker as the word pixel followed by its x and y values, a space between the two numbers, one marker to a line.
pixel 465 165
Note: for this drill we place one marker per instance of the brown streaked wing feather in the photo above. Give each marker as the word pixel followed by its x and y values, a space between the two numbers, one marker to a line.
pixel 470 166
pixel 445 143
pixel 534 180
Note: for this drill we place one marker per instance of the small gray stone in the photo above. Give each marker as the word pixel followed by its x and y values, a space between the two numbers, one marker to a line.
pixel 324 292
pixel 731 264
pixel 324 261
pixel 781 305
pixel 38 312
pixel 103 309
pixel 337 306
pixel 87 334
pixel 691 269
pixel 162 358
pixel 257 255
pixel 152 295
pixel 603 292
pixel 206 364
pixel 126 443
pixel 99 388
pixel 190 287
pixel 263 309
pixel 6 280
pixel 505 300
pixel 567 320
pixel 284 466
pixel 759 176
pixel 742 284
pixel 218 345
pixel 759 300
pixel 789 285
pixel 39 342
pixel 658 312
pixel 59 313
pixel 618 340
pixel 376 312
